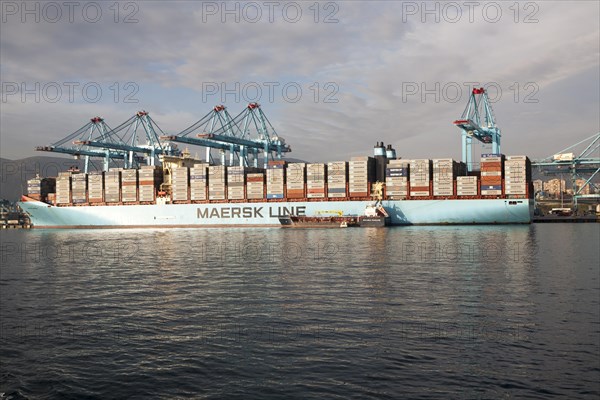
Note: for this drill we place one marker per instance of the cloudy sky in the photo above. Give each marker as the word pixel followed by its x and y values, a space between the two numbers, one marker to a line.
pixel 333 77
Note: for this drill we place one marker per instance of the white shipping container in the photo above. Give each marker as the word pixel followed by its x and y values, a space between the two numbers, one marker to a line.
pixel 490 159
pixel 466 179
pixel 491 192
pixel 515 191
pixel 397 190
pixel 491 173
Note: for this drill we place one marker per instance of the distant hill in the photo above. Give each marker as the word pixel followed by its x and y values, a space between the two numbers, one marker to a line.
pixel 14 173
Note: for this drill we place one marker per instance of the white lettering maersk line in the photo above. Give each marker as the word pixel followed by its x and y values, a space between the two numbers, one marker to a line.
pixel 249 212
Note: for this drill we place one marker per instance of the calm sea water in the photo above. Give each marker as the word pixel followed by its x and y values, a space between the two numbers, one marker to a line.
pixel 408 312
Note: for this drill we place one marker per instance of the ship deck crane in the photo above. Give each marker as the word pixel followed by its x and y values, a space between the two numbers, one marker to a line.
pixel 478 121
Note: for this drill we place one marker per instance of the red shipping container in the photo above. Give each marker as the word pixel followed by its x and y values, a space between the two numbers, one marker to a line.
pixel 490 180
pixel 491 165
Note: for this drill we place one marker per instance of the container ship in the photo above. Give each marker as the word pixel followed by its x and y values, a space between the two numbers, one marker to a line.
pixel 188 193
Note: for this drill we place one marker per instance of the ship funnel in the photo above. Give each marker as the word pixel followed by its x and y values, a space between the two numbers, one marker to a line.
pixel 390 152
pixel 379 149
pixel 380 162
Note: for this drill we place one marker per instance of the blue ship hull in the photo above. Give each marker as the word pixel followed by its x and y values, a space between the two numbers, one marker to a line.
pixel 402 212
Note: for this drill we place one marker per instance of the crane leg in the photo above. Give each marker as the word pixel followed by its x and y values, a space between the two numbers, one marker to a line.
pixel 496 144
pixel 467 155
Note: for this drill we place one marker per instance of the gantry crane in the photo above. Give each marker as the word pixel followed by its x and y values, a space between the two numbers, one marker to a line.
pixel 584 166
pixel 474 126
pixel 126 137
pixel 97 139
pixel 218 119
pixel 250 131
pixel 139 138
pixel 93 130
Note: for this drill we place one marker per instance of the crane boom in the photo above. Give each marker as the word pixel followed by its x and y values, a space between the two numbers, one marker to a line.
pixel 473 125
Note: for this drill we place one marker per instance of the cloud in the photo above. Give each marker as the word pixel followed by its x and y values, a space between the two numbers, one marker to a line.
pixel 369 56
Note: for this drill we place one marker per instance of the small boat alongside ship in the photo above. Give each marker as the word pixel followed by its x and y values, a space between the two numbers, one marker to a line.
pixel 375 216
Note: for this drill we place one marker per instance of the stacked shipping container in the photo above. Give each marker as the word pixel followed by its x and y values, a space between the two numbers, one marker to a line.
pixel 444 172
pixel 96 187
pixel 78 188
pixel 361 171
pixel 129 183
pixel 491 174
pixel 198 181
pixel 420 178
pixel 236 180
pixel 396 179
pixel 112 186
pixel 340 179
pixel 39 188
pixel 337 176
pixel 466 186
pixel 295 180
pixel 275 179
pixel 255 185
pixel 150 178
pixel 63 188
pixel 180 177
pixel 517 175
pixel 217 175
pixel 316 175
